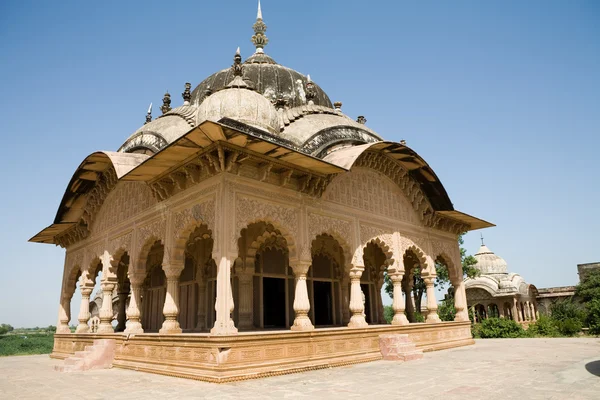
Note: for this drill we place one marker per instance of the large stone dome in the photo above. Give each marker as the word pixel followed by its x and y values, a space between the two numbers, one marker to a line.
pixel 488 262
pixel 268 78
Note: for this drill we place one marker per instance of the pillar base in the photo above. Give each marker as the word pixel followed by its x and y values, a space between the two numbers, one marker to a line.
pixel 170 327
pixel 133 327
pixel 227 328
pixel 302 324
pixel 461 316
pixel 432 318
pixel 81 328
pixel 357 321
pixel 63 329
pixel 105 328
pixel 400 319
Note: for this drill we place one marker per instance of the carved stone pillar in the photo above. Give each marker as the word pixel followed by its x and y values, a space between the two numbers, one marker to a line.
pixel 106 312
pixel 171 307
pixel 345 289
pixel 515 310
pixel 380 310
pixel 301 303
pixel 398 301
pixel 121 317
pixel 134 324
pixel 432 315
pixel 246 297
pixel 407 285
pixel 224 325
pixel 84 310
pixel 500 311
pixel 64 309
pixel 357 307
pixel 460 301
pixel 201 309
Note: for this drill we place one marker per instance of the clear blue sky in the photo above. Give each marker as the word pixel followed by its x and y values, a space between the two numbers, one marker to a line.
pixel 502 98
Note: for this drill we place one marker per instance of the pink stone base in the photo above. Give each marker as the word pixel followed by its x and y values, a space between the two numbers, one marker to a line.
pixel 398 347
pixel 100 355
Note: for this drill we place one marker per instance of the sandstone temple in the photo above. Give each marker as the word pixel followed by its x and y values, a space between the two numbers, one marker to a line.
pixel 247 232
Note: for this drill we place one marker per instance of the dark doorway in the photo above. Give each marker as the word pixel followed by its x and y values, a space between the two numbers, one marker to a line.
pixel 365 289
pixel 323 303
pixel 274 302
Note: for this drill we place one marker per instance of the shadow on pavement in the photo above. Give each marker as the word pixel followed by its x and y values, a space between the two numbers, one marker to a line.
pixel 593 367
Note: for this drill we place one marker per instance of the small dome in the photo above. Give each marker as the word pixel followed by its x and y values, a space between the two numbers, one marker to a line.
pixel 243 105
pixel 488 262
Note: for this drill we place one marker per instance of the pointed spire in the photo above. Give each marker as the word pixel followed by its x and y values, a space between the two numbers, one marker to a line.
pixel 311 92
pixel 259 38
pixel 166 106
pixel 187 94
pixel 149 115
pixel 238 72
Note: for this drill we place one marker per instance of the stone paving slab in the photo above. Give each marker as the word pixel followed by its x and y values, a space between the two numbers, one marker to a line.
pixel 492 369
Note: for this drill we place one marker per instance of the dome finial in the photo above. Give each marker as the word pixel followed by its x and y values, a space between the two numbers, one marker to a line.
pixel 311 92
pixel 259 38
pixel 187 94
pixel 166 106
pixel 482 239
pixel 149 115
pixel 238 72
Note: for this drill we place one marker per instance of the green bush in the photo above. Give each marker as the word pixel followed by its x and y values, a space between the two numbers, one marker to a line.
pixel 419 317
pixel 569 326
pixel 567 309
pixel 499 328
pixel 544 326
pixel 593 316
pixel 11 345
pixel 446 310
pixel 388 314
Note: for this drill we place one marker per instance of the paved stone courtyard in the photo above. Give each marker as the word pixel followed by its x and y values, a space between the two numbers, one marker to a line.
pixel 492 369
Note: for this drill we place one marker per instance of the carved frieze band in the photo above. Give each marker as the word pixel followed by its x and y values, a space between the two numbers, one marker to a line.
pixel 155 229
pixel 249 210
pixel 201 213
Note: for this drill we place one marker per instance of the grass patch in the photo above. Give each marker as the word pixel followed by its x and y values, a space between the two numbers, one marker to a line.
pixel 17 345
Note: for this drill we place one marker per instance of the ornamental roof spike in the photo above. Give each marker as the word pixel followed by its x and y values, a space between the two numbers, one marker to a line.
pixel 149 114
pixel 166 106
pixel 259 38
pixel 238 72
pixel 187 94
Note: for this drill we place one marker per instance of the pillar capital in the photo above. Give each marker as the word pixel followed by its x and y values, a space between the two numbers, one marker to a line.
pixel 396 276
pixel 173 269
pixel 86 290
pixel 300 268
pixel 355 273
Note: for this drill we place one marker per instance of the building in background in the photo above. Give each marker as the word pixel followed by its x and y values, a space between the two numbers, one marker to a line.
pixel 498 293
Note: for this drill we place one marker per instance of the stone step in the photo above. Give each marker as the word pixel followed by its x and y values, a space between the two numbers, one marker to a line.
pixel 398 347
pixel 73 360
pixel 100 355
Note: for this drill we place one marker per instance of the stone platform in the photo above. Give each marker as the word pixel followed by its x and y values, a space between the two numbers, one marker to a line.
pixel 259 354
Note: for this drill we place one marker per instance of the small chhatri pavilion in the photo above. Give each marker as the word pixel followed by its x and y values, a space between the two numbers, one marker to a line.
pixel 247 233
pixel 498 293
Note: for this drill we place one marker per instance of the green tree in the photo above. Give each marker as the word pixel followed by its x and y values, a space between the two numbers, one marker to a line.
pixel 588 291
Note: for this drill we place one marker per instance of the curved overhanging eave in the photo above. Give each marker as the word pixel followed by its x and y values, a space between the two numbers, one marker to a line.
pixel 84 179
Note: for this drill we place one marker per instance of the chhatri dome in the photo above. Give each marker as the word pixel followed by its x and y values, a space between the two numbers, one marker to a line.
pixel 496 292
pixel 261 93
